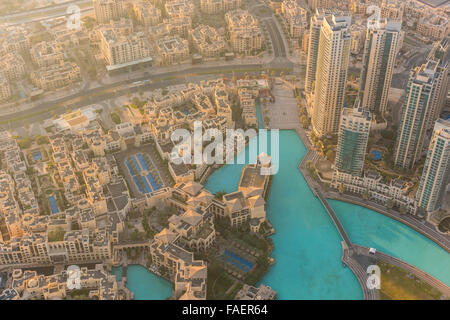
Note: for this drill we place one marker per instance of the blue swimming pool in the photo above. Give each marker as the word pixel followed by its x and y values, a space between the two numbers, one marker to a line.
pixel 130 168
pixel 136 164
pixel 145 184
pixel 37 155
pixel 142 162
pixel 237 261
pixel 53 205
pixel 376 155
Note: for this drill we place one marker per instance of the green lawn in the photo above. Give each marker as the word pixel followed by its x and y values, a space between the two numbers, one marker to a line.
pixel 396 285
pixel 218 283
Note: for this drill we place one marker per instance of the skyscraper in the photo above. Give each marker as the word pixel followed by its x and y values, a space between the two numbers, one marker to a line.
pixel 353 135
pixel 313 48
pixel 436 171
pixel 440 59
pixel 382 45
pixel 331 74
pixel 412 127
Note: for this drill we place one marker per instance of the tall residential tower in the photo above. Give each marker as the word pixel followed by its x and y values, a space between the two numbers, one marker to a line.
pixel 331 74
pixel 313 48
pixel 439 59
pixel 354 131
pixel 415 110
pixel 383 42
pixel 436 172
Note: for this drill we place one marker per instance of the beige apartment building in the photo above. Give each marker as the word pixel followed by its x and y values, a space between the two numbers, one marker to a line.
pixel 218 6
pixel 56 76
pixel 172 49
pixel 392 9
pixel 14 39
pixel 107 10
pixel 46 53
pixel 146 13
pixel 245 33
pixel 5 88
pixel 12 66
pixel 331 74
pixel 121 48
pixel 435 26
pixel 207 41
pixel 296 17
pixel 179 8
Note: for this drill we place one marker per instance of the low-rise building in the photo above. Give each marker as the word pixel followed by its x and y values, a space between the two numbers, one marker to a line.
pixel 435 26
pixel 56 76
pixel 245 33
pixel 253 293
pixel 372 184
pixel 146 13
pixel 46 54
pixel 172 49
pixel 219 6
pixel 207 41
pixel 121 47
pixel 12 66
pixel 5 88
pixel 296 18
pixel 179 8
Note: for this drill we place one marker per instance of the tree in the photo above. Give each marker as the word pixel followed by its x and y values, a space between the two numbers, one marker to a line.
pixel 330 155
pixel 305 121
pixel 24 143
pixel 390 203
pixel 341 188
pixel 365 195
pixel 403 209
pixel 219 194
pixel 42 140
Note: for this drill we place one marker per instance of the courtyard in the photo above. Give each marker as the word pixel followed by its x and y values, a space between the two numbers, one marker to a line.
pixel 142 169
pixel 283 113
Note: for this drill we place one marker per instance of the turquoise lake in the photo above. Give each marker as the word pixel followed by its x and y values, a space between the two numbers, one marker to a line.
pixel 144 284
pixel 307 245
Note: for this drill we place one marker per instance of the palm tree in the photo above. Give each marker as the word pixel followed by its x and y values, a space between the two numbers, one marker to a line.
pixel 390 203
pixel 365 195
pixel 403 209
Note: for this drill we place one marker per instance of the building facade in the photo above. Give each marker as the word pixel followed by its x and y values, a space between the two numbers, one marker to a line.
pixel 331 74
pixel 107 10
pixel 415 109
pixel 382 45
pixel 354 131
pixel 436 172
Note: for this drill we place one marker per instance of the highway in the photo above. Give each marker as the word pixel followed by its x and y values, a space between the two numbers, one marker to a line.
pixel 24 16
pixel 88 96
